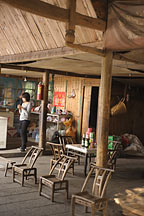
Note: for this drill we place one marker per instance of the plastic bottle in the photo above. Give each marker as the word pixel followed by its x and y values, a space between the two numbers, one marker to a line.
pixel 91 140
pixel 87 140
pixel 37 137
pixel 83 140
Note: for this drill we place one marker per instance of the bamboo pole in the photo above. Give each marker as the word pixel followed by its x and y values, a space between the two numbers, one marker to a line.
pixel 104 110
pixel 43 115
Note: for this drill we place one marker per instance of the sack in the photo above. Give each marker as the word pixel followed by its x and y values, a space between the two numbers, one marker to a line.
pixel 119 108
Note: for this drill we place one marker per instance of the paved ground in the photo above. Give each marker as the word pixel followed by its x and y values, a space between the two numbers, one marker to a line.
pixel 24 201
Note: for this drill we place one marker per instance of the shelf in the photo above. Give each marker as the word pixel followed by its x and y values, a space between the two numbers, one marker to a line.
pixel 35 113
pixel 53 115
pixel 53 122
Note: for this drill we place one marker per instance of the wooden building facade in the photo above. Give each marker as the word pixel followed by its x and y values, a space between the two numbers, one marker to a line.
pixel 132 121
pixel 80 104
pixel 67 37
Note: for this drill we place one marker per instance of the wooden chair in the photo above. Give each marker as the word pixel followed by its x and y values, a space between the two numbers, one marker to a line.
pixel 111 163
pixel 111 157
pixel 9 165
pixel 95 200
pixel 26 169
pixel 68 140
pixel 57 182
pixel 64 140
pixel 58 150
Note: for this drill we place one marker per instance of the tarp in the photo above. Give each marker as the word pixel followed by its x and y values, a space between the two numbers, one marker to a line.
pixel 125 27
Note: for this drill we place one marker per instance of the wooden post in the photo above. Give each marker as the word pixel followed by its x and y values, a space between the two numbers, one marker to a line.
pixel 70 28
pixel 104 110
pixel 43 115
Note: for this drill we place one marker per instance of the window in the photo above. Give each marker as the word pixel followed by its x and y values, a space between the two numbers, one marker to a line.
pixel 11 90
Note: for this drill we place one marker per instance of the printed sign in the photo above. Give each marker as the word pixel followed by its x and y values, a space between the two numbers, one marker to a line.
pixel 59 99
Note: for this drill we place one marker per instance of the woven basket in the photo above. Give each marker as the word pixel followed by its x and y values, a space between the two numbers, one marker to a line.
pixel 119 108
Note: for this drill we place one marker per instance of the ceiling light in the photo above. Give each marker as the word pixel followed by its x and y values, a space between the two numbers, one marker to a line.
pixel 25 79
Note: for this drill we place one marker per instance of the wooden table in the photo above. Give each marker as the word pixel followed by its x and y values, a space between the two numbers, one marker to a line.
pixel 78 150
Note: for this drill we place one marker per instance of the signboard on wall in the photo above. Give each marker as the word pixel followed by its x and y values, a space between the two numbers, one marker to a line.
pixel 59 99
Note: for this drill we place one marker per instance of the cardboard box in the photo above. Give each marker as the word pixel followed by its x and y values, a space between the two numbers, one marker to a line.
pixel 111 139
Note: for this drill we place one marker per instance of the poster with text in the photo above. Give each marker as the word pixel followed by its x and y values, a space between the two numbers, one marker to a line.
pixel 59 99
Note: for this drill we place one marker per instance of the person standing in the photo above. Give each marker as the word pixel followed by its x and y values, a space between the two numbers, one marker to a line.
pixel 24 111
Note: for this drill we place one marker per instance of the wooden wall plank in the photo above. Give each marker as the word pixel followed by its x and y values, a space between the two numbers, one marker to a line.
pixel 74 104
pixel 6 45
pixel 88 34
pixel 34 45
pixel 91 82
pixel 91 12
pixel 16 23
pixel 45 33
pixel 34 31
pixel 8 32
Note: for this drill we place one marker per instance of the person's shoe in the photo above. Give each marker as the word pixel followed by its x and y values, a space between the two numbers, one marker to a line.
pixel 21 149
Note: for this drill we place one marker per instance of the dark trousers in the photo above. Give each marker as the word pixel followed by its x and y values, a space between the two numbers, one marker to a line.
pixel 23 132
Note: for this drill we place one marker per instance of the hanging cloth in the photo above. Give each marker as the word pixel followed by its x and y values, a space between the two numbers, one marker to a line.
pixel 125 27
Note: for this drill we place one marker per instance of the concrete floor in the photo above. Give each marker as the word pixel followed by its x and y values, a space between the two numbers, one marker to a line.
pixel 24 201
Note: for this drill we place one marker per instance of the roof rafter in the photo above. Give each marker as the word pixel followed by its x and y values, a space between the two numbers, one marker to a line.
pixel 53 12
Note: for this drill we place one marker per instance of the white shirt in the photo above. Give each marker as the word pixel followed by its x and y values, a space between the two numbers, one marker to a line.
pixel 25 111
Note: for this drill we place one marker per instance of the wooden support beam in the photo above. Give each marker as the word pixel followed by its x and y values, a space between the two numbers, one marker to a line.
pixel 43 70
pixel 53 12
pixel 19 77
pixel 70 33
pixel 70 28
pixel 39 55
pixel 101 7
pixel 83 48
pixel 43 114
pixel 121 57
pixel 104 110
pixel 44 54
pixel 71 49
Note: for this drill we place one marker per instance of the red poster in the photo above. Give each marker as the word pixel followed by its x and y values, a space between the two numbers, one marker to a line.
pixel 59 99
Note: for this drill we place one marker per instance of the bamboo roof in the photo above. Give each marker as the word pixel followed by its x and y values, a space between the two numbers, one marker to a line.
pixel 40 42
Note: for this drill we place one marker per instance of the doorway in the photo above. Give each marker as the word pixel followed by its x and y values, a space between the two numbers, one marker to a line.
pixel 93 108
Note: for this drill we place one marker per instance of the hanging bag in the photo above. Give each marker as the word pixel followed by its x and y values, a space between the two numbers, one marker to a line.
pixel 119 108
